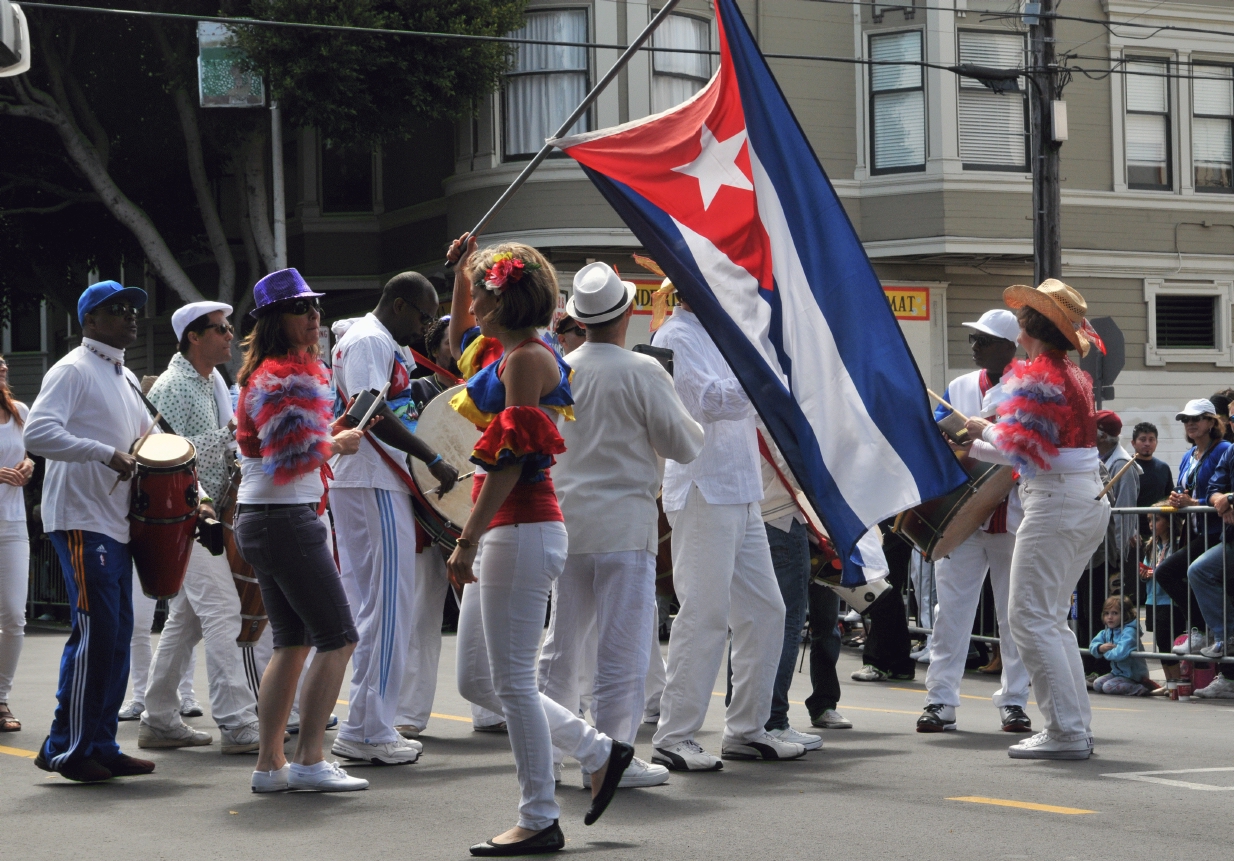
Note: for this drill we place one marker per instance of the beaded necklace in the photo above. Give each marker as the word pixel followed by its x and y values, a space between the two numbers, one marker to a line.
pixel 115 363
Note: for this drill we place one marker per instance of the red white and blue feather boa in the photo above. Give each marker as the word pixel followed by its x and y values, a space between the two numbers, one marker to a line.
pixel 291 406
pixel 1028 429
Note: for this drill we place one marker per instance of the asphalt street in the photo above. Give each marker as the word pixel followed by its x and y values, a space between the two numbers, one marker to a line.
pixel 877 791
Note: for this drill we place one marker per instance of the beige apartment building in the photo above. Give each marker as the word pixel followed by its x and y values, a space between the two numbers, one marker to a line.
pixel 933 170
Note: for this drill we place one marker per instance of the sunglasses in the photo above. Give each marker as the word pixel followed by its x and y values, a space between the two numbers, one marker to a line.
pixel 1192 420
pixel 976 340
pixel 118 309
pixel 223 329
pixel 299 307
pixel 578 330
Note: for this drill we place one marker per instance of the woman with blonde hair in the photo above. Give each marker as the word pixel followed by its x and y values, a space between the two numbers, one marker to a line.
pixel 15 472
pixel 513 546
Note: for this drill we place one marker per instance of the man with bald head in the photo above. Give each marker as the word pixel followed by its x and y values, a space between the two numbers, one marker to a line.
pixel 373 521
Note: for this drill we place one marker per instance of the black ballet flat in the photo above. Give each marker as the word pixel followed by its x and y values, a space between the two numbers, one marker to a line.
pixel 541 843
pixel 618 761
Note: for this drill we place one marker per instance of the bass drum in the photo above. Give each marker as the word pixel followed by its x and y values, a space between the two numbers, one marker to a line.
pixel 163 513
pixel 938 526
pixel 454 438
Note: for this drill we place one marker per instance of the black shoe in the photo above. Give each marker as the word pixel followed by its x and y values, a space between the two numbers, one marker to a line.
pixel 41 761
pixel 1015 720
pixel 128 766
pixel 932 719
pixel 541 843
pixel 618 761
pixel 88 770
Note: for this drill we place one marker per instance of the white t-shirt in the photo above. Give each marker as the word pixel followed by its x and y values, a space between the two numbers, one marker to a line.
pixel 258 488
pixel 12 452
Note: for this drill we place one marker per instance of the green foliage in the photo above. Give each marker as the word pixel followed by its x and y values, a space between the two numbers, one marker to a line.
pixel 365 88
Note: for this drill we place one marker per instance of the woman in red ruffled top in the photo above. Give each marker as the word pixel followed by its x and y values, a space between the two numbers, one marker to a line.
pixel 513 545
pixel 1047 429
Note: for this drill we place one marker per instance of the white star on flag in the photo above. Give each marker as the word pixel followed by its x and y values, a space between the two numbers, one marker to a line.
pixel 716 165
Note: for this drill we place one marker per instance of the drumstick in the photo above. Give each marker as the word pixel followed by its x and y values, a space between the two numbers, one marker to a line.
pixel 137 448
pixel 437 490
pixel 1117 476
pixel 947 405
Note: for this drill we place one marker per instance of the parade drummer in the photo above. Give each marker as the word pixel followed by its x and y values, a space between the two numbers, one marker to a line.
pixel 1047 429
pixel 193 397
pixel 85 420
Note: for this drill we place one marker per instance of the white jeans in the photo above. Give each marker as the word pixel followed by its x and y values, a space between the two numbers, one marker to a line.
pixel 725 581
pixel 615 594
pixel 420 673
pixel 207 607
pixel 499 629
pixel 957 582
pixel 377 559
pixel 584 642
pixel 657 670
pixel 14 577
pixel 141 655
pixel 1063 524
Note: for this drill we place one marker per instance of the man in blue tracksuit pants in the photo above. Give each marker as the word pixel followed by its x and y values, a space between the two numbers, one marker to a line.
pixel 85 420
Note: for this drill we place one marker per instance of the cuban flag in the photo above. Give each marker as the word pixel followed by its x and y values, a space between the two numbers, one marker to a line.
pixel 729 198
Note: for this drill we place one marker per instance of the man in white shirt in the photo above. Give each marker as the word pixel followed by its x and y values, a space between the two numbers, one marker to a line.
pixel 86 418
pixel 722 569
pixel 370 498
pixel 628 417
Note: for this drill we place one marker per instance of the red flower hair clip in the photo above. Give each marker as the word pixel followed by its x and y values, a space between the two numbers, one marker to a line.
pixel 506 269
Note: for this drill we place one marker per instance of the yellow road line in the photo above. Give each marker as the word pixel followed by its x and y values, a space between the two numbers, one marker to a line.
pixel 1023 805
pixel 17 751
pixel 1030 702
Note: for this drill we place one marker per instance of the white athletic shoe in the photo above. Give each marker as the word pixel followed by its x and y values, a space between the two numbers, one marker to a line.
pixel 271 781
pixel 686 755
pixel 1216 650
pixel 831 719
pixel 183 735
pixel 189 707
pixel 1041 746
pixel 131 710
pixel 398 752
pixel 1193 644
pixel 326 777
pixel 242 739
pixel 807 740
pixel 765 746
pixel 1219 688
pixel 638 773
pixel 652 718
pixel 408 730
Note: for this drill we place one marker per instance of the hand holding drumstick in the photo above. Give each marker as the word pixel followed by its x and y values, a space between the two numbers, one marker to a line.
pixel 126 464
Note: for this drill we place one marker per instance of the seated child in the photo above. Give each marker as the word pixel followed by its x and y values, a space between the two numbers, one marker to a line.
pixel 1129 675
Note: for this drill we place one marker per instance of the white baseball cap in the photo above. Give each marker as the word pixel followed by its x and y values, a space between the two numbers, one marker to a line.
pixel 1197 407
pixel 1000 323
pixel 181 317
pixel 599 294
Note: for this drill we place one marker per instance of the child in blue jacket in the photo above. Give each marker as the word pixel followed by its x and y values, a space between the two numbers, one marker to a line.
pixel 1121 637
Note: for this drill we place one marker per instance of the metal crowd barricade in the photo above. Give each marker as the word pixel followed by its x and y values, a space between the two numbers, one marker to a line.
pixel 1124 565
pixel 46 587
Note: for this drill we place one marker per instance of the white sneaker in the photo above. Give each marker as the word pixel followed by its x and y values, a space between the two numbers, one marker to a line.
pixel 189 707
pixel 324 777
pixel 805 739
pixel 271 781
pixel 686 755
pixel 1216 650
pixel 831 719
pixel 398 752
pixel 131 710
pixel 1219 688
pixel 408 730
pixel 242 739
pixel 1041 746
pixel 652 718
pixel 183 735
pixel 765 746
pixel 637 773
pixel 1193 644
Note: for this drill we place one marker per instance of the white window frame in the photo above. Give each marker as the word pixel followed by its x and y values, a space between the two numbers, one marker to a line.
pixel 503 103
pixel 963 84
pixel 1222 355
pixel 6 334
pixel 870 99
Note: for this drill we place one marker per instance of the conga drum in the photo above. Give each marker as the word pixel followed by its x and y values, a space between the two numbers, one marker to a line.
pixel 252 607
pixel 938 526
pixel 163 513
pixel 454 438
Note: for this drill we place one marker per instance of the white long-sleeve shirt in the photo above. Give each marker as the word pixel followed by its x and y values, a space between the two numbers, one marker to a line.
pixel 627 418
pixel 727 471
pixel 84 413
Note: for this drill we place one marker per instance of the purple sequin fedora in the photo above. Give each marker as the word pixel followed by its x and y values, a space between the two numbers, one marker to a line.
pixel 278 287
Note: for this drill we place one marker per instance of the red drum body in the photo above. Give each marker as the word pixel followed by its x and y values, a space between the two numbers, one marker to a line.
pixel 163 513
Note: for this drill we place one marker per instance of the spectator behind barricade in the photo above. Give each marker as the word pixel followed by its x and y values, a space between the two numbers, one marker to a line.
pixel 1162 616
pixel 1222 400
pixel 1157 479
pixel 1211 583
pixel 1127 488
pixel 1193 487
pixel 1128 676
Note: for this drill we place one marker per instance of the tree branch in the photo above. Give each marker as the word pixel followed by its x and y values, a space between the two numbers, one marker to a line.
pixel 255 188
pixel 42 210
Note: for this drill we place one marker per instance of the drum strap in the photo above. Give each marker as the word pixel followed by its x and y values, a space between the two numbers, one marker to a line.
pixel 164 426
pixel 422 538
pixel 425 362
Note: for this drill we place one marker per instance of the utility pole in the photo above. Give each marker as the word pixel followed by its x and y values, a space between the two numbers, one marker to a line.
pixel 1044 110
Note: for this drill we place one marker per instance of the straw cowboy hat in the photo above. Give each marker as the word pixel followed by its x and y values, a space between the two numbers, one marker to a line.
pixel 1062 305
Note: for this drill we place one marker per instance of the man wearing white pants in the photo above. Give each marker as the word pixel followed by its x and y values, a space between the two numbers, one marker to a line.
pixel 193 398
pixel 958 578
pixel 722 567
pixel 141 656
pixel 370 499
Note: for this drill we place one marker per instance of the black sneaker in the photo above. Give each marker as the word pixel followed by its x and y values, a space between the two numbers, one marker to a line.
pixel 936 718
pixel 1015 719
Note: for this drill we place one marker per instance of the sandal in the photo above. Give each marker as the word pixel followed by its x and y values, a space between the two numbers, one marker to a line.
pixel 8 723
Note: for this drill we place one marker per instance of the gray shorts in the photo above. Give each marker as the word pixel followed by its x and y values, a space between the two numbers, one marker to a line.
pixel 289 549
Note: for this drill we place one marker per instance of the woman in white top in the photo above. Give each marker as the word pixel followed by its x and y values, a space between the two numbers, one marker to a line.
pixel 15 472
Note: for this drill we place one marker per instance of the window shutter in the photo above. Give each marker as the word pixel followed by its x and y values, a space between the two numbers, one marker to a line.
pixel 1213 87
pixel 1146 87
pixel 1211 142
pixel 1146 142
pixel 895 47
pixel 992 127
pixel 1186 322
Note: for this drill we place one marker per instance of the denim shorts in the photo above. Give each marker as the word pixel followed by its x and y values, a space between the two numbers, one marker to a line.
pixel 289 549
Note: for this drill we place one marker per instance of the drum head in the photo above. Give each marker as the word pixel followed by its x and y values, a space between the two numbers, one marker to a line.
pixel 165 449
pixel 454 438
pixel 990 486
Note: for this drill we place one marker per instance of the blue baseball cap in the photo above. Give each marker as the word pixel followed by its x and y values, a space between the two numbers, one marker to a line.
pixel 105 291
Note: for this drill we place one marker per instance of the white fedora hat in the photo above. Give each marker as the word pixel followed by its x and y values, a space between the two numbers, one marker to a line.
pixel 599 295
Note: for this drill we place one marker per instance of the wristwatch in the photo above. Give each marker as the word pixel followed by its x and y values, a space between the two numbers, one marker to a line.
pixel 464 543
